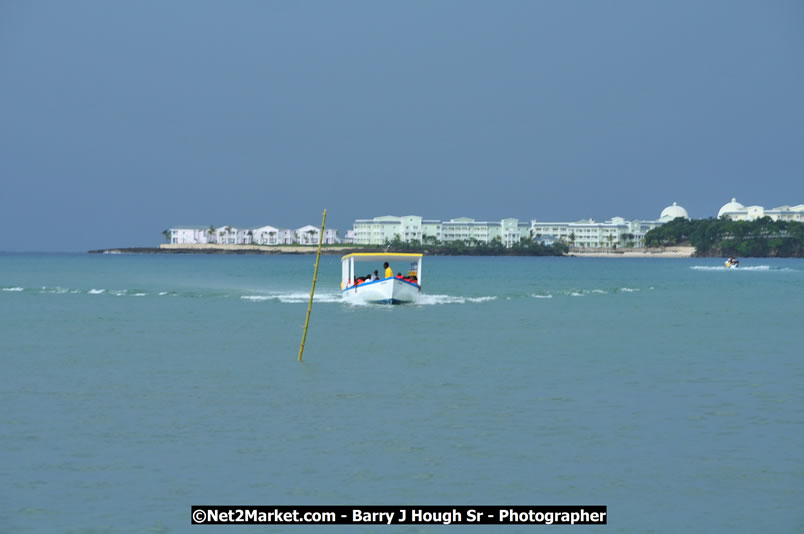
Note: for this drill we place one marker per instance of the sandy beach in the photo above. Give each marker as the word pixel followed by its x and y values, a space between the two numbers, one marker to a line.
pixel 666 252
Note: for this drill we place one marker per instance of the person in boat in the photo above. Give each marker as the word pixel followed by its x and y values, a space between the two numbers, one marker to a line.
pixel 388 272
pixel 399 275
pixel 375 276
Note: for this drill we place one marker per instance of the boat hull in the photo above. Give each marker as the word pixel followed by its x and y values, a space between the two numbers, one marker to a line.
pixel 386 291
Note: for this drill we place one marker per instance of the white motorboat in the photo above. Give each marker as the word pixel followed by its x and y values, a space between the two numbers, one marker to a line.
pixel 397 289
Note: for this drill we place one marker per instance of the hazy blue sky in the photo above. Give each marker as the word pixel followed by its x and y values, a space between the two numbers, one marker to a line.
pixel 120 119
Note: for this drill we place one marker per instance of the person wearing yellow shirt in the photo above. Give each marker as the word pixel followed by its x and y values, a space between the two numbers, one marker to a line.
pixel 388 272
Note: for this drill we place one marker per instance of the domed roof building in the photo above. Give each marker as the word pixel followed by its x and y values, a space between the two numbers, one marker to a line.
pixel 731 207
pixel 673 212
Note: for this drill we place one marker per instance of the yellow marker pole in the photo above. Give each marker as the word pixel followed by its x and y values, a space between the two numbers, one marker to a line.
pixel 312 291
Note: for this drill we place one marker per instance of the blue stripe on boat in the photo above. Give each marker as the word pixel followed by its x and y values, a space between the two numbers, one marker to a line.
pixel 377 281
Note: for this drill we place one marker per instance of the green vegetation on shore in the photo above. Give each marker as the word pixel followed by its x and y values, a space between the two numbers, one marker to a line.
pixel 724 237
pixel 473 247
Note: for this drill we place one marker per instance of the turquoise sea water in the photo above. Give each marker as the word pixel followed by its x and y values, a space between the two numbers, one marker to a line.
pixel 133 387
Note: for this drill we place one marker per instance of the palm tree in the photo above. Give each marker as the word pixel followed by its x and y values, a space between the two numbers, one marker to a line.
pixel 211 231
pixel 166 233
pixel 250 235
pixel 271 235
pixel 572 239
pixel 610 238
pixel 310 234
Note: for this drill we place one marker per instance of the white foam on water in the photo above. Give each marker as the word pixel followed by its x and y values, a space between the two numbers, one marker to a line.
pixel 57 290
pixel 96 291
pixel 432 300
pixel 163 293
pixel 755 268
pixel 139 294
pixel 296 298
pixel 748 268
pixel 600 291
pixel 576 294
pixel 293 298
pixel 628 290
pixel 480 299
pixel 541 296
pixel 118 292
pixel 14 289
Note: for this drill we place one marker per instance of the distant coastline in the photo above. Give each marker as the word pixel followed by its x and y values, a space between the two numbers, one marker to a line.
pixel 661 252
pixel 228 249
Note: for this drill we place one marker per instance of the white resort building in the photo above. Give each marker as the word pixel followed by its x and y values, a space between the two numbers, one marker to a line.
pixel 587 233
pixel 508 231
pixel 309 235
pixel 737 212
pixel 265 235
pixel 188 234
pixel 261 235
pixel 382 230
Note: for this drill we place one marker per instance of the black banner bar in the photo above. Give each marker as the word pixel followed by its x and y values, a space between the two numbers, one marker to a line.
pixel 398 515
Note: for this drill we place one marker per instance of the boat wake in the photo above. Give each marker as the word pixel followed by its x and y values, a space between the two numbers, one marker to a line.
pixel 751 268
pixel 432 300
pixel 302 297
pixel 293 298
pixel 583 292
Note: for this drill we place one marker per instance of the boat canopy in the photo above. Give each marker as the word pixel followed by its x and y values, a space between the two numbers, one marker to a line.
pixel 382 256
pixel 413 262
